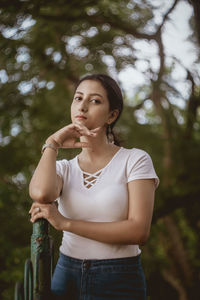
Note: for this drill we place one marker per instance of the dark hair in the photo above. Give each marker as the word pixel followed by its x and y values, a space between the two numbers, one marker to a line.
pixel 113 92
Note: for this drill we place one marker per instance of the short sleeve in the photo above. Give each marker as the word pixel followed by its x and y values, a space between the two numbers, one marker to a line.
pixel 61 167
pixel 140 166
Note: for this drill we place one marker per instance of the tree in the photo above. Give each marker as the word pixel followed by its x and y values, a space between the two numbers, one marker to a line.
pixel 46 46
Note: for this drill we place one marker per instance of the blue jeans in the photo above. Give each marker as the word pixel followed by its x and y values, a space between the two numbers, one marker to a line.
pixel 103 279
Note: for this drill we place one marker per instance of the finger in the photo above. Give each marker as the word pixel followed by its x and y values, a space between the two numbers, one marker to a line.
pixel 96 129
pixel 30 209
pixel 77 134
pixel 82 128
pixel 38 205
pixel 37 216
pixel 33 206
pixel 35 211
pixel 87 132
pixel 84 131
pixel 81 145
pixel 63 129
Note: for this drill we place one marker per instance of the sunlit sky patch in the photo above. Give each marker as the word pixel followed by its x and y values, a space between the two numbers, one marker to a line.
pixel 175 35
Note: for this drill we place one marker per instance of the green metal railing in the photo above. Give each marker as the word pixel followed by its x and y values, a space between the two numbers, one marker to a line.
pixel 38 270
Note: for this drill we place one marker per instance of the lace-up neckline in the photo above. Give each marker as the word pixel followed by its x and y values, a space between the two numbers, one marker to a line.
pixel 90 179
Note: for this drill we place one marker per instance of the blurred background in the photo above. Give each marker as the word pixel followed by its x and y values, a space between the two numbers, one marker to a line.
pixel 151 47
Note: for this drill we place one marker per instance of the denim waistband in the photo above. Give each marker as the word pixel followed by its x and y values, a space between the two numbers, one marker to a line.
pixel 133 260
pixel 115 278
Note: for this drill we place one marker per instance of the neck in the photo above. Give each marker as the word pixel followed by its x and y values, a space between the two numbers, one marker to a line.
pixel 99 146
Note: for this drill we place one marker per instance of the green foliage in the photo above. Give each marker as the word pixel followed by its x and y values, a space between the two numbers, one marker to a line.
pixel 45 47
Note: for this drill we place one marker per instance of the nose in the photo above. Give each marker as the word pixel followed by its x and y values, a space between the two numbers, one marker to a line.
pixel 83 105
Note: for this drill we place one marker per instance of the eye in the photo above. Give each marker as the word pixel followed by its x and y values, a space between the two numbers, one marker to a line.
pixel 96 101
pixel 77 98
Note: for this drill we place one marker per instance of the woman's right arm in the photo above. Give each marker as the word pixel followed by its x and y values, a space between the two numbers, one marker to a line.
pixel 46 185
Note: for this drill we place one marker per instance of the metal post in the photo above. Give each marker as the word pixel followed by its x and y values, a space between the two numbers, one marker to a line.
pixel 41 257
pixel 19 292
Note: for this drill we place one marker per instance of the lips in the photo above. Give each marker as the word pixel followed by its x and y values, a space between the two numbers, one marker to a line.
pixel 81 117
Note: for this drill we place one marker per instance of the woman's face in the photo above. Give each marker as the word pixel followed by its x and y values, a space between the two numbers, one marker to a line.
pixel 90 105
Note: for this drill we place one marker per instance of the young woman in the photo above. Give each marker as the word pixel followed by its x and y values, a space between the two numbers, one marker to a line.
pixel 105 199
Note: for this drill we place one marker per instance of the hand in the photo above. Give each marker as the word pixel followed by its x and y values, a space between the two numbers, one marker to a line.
pixel 67 136
pixel 49 212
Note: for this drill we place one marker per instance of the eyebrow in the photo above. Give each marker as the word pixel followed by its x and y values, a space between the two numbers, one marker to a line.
pixel 93 94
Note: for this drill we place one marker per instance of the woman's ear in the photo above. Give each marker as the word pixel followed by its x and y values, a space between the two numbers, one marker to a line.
pixel 113 116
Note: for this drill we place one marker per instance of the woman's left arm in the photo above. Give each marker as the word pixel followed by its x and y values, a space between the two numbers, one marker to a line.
pixel 134 230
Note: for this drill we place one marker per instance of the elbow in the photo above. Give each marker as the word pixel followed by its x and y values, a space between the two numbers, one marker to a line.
pixel 143 239
pixel 40 197
pixel 139 234
pixel 139 239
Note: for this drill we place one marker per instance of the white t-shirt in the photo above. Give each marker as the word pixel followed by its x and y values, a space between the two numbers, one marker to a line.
pixel 106 200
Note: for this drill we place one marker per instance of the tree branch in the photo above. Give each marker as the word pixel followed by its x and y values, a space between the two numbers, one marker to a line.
pixel 193 102
pixel 138 106
pixel 167 15
pixel 100 20
pixel 196 8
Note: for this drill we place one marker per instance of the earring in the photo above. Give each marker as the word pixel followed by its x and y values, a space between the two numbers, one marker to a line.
pixel 110 135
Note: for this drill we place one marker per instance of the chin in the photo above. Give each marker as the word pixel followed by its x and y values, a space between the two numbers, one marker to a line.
pixel 77 121
pixel 84 122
